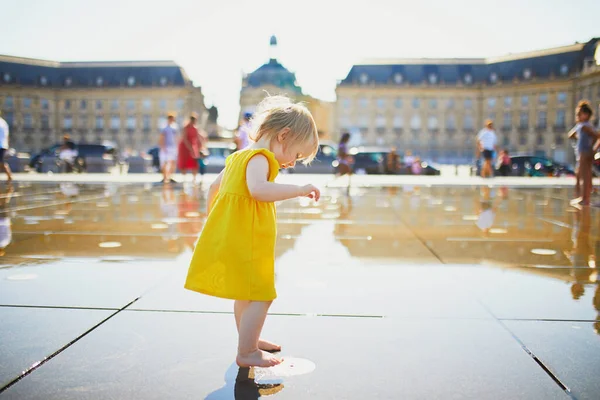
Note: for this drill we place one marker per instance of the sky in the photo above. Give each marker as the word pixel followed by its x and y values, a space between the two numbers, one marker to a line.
pixel 217 41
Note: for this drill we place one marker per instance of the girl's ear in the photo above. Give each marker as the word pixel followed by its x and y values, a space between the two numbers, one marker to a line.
pixel 282 134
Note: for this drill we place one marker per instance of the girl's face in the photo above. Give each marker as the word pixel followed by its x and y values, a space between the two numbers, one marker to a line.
pixel 286 153
pixel 580 116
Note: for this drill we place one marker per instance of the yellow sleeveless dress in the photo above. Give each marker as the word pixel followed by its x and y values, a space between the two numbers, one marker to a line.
pixel 235 254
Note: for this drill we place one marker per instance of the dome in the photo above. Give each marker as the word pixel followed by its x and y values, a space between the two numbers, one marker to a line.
pixel 273 73
pixel 273 41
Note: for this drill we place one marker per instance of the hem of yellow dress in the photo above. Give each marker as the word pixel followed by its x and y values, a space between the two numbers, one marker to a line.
pixel 226 296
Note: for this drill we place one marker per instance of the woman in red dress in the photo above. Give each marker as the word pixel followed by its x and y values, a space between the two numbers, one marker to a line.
pixel 189 148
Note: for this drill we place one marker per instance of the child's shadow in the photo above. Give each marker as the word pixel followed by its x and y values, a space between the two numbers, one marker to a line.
pixel 243 387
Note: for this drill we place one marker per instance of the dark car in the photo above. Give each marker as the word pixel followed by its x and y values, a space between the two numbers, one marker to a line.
pixel 526 165
pixel 84 151
pixel 323 163
pixel 369 160
pixel 215 161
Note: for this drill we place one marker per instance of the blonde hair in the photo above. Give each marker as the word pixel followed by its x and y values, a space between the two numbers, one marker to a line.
pixel 276 113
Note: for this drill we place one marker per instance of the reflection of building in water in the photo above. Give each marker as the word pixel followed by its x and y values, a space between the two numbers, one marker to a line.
pixel 145 222
pixel 436 106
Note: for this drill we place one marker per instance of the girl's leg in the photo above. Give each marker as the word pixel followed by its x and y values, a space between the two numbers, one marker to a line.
pixel 239 306
pixel 585 170
pixel 252 319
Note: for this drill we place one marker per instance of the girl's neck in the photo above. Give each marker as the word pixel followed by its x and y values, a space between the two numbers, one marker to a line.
pixel 261 144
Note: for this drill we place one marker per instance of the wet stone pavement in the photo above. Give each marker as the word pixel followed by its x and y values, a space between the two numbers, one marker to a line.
pixel 409 292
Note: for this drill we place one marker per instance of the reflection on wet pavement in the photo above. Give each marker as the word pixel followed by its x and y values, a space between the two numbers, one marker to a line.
pixel 513 257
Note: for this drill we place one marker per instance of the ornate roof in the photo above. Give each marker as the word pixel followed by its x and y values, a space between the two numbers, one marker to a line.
pixel 557 62
pixel 32 72
pixel 273 73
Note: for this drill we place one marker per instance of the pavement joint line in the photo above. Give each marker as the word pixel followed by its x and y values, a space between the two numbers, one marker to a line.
pixel 416 235
pixel 275 314
pixel 548 320
pixel 555 222
pixel 476 239
pixel 38 364
pixel 526 349
pixel 58 203
pixel 59 307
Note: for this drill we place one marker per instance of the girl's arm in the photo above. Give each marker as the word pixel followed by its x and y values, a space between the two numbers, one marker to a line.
pixel 573 133
pixel 261 189
pixel 213 190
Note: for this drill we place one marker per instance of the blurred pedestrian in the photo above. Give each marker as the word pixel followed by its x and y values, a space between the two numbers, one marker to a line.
pixel 409 159
pixel 345 160
pixel 168 148
pixel 486 143
pixel 504 161
pixel 416 168
pixel 586 138
pixel 4 133
pixel 242 139
pixel 67 153
pixel 392 162
pixel 189 148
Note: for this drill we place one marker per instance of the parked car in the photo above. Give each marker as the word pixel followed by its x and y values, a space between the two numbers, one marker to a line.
pixel 324 162
pixel 83 151
pixel 428 169
pixel 367 160
pixel 217 153
pixel 215 162
pixel 527 165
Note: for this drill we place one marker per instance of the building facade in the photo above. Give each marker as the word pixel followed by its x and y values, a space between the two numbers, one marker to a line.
pixel 272 78
pixel 436 107
pixel 125 103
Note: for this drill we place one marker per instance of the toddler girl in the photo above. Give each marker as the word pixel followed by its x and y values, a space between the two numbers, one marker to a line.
pixel 234 256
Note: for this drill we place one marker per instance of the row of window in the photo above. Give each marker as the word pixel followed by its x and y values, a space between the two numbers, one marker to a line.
pixel 468 123
pixel 467 78
pixel 43 80
pixel 382 103
pixel 67 122
pixel 83 104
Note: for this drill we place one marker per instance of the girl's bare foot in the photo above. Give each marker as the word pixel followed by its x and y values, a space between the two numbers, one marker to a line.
pixel 268 346
pixel 257 358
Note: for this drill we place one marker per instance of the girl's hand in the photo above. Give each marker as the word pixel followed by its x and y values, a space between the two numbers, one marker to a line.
pixel 311 192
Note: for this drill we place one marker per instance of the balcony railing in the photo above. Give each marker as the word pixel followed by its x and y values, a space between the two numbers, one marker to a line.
pixel 506 129
pixel 380 130
pixel 541 128
pixel 523 129
pixel 398 131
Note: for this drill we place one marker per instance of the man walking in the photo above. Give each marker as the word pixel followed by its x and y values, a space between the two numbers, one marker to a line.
pixel 168 148
pixel 486 143
pixel 4 147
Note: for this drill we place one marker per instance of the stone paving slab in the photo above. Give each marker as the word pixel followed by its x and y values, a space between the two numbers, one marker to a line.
pixel 28 335
pixel 149 355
